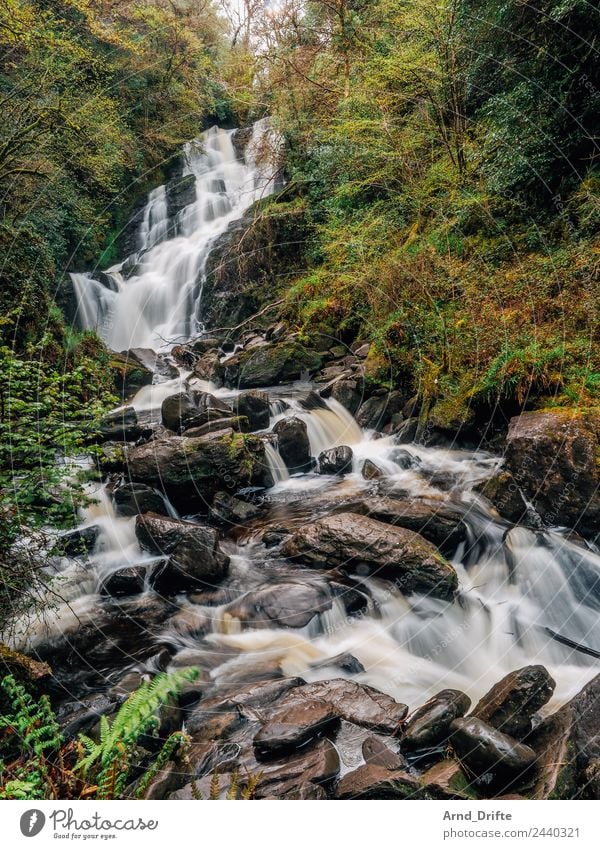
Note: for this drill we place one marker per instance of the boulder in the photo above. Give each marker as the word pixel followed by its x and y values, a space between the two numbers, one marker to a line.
pixel 127 581
pixel 335 461
pixel 378 753
pixel 292 726
pixel 192 409
pixel 371 781
pixel 192 470
pixel 446 780
pixel 156 363
pixel 129 374
pixel 553 457
pixel 371 472
pixel 121 424
pixel 299 776
pixel 438 522
pixel 493 759
pixel 194 555
pixel 77 542
pixel 272 364
pixel 226 509
pixel 505 495
pixel 238 423
pixel 567 744
pixel 285 605
pixel 255 406
pixel 430 724
pixel 511 703
pixel 133 498
pixel 361 544
pixel 376 412
pixel 293 444
pixel 206 366
pixel 357 703
pixel 346 390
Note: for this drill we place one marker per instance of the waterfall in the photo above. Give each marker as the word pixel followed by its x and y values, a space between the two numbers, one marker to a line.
pixel 160 303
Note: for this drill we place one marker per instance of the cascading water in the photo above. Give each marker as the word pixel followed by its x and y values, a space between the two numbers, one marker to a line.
pixel 160 303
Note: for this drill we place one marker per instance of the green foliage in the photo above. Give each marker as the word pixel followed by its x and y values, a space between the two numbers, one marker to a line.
pixel 47 768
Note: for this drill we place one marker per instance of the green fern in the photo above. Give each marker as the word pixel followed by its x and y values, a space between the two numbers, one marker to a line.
pixel 37 734
pixel 111 759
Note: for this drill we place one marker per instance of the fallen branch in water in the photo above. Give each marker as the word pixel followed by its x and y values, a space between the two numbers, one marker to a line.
pixel 572 644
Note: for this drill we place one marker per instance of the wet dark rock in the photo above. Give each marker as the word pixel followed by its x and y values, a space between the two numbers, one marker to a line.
pixel 429 725
pixel 407 432
pixel 192 409
pixel 552 456
pixel 435 521
pixel 111 457
pixel 376 752
pixel 335 461
pixel 255 406
pixel 347 390
pixel 206 344
pixel 282 362
pixel 371 472
pixel 77 542
pixel 358 543
pixel 567 744
pixel 293 444
pixel 287 605
pixel 357 703
pixel 376 412
pixel 127 581
pixel 193 469
pixel 180 192
pixel 511 703
pixel 207 366
pixel 156 363
pixel 446 780
pixel 130 375
pixel 344 661
pixel 194 555
pixel 315 767
pixel 237 423
pixel 506 496
pixel 226 509
pixel 81 716
pixel 292 726
pixel 493 759
pixel 133 498
pixel 371 781
pixel 121 424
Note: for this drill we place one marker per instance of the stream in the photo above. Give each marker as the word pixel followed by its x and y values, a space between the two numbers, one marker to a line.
pixel 271 617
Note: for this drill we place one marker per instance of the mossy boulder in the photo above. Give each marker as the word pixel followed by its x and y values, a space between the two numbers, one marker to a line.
pixel 269 365
pixel 191 470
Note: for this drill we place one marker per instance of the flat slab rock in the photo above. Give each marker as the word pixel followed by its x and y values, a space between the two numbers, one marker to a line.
pixel 360 544
pixel 294 725
pixel 371 781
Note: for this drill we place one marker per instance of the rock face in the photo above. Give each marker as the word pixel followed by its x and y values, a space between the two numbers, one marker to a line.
pixel 430 724
pixel 553 457
pixel 269 365
pixel 336 461
pixel 255 406
pixel 511 703
pixel 293 444
pixel 192 470
pixel 195 559
pixel 345 389
pixel 492 758
pixel 567 744
pixel 133 498
pixel 180 192
pixel 129 374
pixel 357 543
